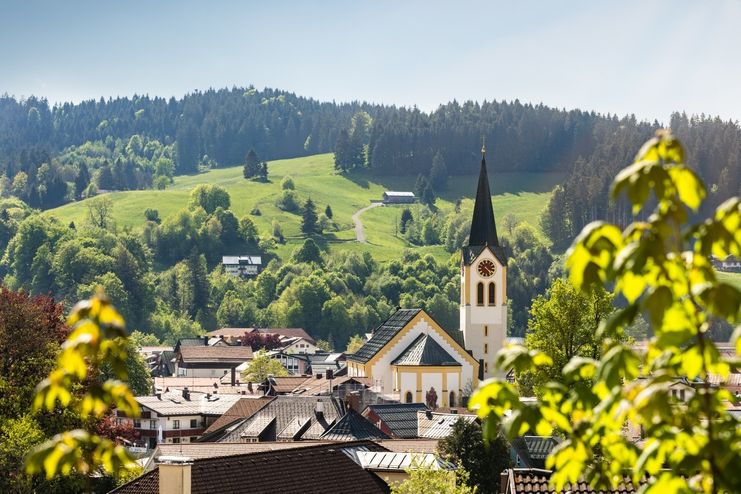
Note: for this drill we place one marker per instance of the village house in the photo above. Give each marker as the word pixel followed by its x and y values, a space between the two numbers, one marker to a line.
pixel 177 416
pixel 243 266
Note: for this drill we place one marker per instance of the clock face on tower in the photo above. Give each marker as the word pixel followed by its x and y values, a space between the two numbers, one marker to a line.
pixel 486 268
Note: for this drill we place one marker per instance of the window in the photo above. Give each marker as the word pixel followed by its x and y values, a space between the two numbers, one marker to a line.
pixel 152 424
pixel 176 440
pixel 176 424
pixel 480 294
pixel 486 330
pixel 486 348
pixel 486 367
pixel 409 397
pixel 451 399
pixel 194 423
pixel 492 294
pixel 137 424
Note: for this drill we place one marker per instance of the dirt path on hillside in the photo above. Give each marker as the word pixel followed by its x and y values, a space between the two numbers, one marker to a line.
pixel 359 232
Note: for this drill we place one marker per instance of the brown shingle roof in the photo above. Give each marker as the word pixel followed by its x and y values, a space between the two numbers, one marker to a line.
pixel 290 332
pixel 522 480
pixel 220 354
pixel 316 469
pixel 286 384
pixel 242 409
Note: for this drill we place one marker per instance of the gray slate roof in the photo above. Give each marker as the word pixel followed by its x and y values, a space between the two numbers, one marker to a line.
pixel 438 425
pixel 384 333
pixel 353 427
pixel 281 415
pixel 401 418
pixel 424 350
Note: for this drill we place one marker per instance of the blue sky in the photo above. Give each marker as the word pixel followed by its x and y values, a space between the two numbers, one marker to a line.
pixel 643 57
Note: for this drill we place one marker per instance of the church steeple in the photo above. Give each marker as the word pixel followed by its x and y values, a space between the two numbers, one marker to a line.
pixel 483 226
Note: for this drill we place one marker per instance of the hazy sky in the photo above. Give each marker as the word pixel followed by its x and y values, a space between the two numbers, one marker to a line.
pixel 643 57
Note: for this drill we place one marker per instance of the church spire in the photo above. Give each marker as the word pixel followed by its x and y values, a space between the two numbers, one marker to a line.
pixel 483 226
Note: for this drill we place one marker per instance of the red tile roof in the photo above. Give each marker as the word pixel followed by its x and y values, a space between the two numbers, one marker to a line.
pixel 220 354
pixel 522 480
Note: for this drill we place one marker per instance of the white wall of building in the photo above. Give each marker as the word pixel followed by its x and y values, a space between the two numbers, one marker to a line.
pixel 382 371
pixel 484 327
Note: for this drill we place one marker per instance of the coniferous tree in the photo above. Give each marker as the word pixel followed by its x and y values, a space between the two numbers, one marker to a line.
pixel 343 152
pixel 309 218
pixel 439 173
pixel 252 165
pixel 82 180
pixel 406 217
pixel 328 212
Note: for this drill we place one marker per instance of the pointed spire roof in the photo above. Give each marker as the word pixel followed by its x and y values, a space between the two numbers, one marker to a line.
pixel 483 227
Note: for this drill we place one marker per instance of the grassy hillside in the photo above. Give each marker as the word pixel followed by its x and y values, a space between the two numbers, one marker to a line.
pixel 524 195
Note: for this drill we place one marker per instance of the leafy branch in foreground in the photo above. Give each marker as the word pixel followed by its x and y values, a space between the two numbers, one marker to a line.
pixel 662 267
pixel 98 338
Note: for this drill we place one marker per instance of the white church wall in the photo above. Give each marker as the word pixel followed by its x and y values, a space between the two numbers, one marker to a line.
pixel 382 369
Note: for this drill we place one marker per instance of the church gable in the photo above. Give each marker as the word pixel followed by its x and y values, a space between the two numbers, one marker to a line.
pixel 425 351
pixel 391 339
pixel 383 334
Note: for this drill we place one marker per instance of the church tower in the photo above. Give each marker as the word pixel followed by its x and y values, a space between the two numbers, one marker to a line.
pixel 483 282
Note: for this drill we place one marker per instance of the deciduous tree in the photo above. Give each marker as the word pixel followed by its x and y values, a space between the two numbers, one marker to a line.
pixel 662 267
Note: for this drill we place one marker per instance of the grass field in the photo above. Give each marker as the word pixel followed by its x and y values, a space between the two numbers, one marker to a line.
pixel 522 194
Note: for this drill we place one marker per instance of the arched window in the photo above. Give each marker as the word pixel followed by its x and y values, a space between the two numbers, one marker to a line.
pixel 451 400
pixel 480 294
pixel 409 397
pixel 492 294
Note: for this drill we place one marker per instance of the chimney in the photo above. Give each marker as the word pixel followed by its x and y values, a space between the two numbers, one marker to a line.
pixel 319 410
pixel 318 375
pixel 205 340
pixel 158 395
pixel 186 394
pixel 330 374
pixel 234 376
pixel 174 474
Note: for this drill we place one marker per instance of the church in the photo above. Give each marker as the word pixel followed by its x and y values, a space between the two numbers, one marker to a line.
pixel 410 357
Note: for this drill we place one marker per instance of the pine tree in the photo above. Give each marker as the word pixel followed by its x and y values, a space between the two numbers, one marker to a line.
pixel 419 186
pixel 406 217
pixel 328 211
pixel 342 152
pixel 263 174
pixel 309 218
pixel 81 180
pixel 252 166
pixel 439 173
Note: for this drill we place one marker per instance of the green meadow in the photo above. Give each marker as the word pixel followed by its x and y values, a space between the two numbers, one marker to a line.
pixel 522 194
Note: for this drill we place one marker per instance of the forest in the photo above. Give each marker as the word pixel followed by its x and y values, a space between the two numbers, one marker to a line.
pixel 165 274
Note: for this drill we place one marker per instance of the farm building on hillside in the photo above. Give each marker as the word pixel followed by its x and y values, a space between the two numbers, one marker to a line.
pixel 392 197
pixel 242 265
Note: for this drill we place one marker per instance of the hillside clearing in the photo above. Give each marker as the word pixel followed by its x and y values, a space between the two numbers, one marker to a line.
pixel 522 194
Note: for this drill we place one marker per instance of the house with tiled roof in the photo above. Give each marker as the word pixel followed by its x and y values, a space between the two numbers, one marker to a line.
pixel 398 420
pixel 177 416
pixel 433 425
pixel 211 361
pixel 284 418
pixel 324 468
pixel 535 480
pixel 532 451
pixel 352 427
